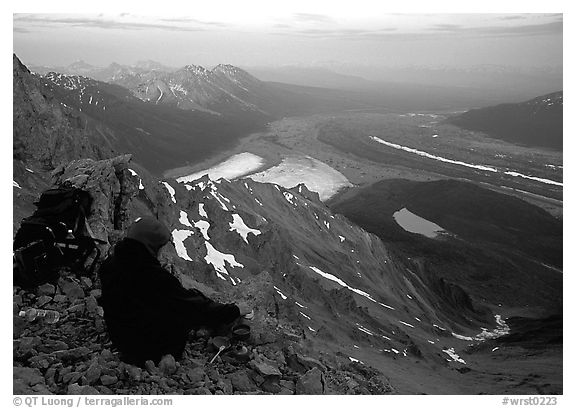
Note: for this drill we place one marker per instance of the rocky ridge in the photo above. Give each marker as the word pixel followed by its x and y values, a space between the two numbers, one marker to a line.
pixel 321 288
pixel 74 355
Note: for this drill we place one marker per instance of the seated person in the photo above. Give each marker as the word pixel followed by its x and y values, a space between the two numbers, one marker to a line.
pixel 147 311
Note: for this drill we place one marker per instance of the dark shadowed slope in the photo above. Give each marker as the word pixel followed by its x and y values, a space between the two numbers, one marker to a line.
pixel 499 247
pixel 537 122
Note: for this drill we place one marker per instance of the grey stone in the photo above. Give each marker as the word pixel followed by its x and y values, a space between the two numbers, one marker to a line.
pixel 86 282
pixel 241 382
pixel 17 299
pixel 30 376
pixel 43 300
pixel 41 361
pixel 96 293
pixel 70 288
pixel 72 355
pixel 93 373
pixel 46 289
pixel 271 386
pixel 150 367
pixel 27 344
pixel 167 365
pixel 50 376
pixel 225 385
pixel 76 309
pixel 134 372
pixel 287 384
pixel 302 364
pixel 196 375
pixel 108 380
pixel 311 383
pixel 106 355
pixel 60 298
pixel 265 367
pixel 72 377
pixel 91 305
pixel 19 324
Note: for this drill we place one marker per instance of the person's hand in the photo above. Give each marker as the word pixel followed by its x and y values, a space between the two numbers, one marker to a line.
pixel 244 308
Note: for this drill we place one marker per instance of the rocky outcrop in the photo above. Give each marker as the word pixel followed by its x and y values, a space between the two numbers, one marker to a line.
pixel 315 282
pixel 74 356
pixel 47 131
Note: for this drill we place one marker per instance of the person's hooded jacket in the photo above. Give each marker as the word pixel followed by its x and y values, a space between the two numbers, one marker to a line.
pixel 147 311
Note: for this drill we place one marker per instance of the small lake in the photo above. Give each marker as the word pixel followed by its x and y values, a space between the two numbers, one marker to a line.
pixel 413 223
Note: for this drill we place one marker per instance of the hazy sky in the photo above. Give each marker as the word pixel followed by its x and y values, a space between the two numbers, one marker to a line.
pixel 355 33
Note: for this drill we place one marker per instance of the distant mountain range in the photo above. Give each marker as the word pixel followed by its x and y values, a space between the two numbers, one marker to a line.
pixel 165 119
pixel 225 88
pixel 60 116
pixel 537 122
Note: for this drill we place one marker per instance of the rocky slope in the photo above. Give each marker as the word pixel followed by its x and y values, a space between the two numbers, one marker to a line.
pixel 335 311
pixel 537 122
pixel 46 131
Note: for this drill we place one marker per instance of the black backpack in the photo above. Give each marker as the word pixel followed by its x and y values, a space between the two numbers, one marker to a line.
pixel 55 236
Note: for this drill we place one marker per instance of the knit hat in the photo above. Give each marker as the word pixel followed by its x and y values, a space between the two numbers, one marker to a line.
pixel 150 232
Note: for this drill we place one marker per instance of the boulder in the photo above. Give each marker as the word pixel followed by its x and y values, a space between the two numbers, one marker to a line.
pixel 134 373
pixel 311 383
pixel 46 289
pixel 70 288
pixel 167 365
pixel 302 364
pixel 265 367
pixel 25 378
pixel 93 373
pixel 108 380
pixel 241 382
pixel 43 300
pixel 196 375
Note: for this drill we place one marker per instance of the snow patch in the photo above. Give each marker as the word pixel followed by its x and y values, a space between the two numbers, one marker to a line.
pixel 316 175
pixel 539 179
pixel 406 324
pixel 354 360
pixel 214 194
pixel 289 197
pixel 201 210
pixel 15 184
pixel 241 228
pixel 203 227
pixel 453 355
pixel 344 284
pixel 218 260
pixel 282 295
pixel 184 219
pixel 501 329
pixel 178 236
pixel 305 316
pixel 364 329
pixel 431 156
pixel 342 239
pixel 170 190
